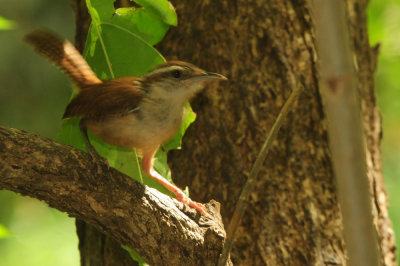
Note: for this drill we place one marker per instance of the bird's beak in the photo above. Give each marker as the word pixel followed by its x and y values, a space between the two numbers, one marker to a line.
pixel 205 77
pixel 211 75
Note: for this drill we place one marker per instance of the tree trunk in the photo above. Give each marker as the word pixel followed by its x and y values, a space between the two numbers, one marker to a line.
pixel 293 218
pixel 95 247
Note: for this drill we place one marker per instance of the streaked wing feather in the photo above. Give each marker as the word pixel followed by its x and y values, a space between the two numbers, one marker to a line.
pixel 113 97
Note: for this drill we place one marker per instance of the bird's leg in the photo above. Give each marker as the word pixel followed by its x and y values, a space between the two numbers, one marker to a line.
pixel 92 151
pixel 147 164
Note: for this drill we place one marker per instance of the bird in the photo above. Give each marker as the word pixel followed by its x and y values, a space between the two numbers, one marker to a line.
pixel 131 112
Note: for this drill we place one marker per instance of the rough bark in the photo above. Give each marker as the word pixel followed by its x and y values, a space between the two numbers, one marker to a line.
pixel 293 218
pixel 366 61
pixel 159 228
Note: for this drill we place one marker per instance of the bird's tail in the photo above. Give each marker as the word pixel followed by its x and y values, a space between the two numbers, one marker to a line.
pixel 63 54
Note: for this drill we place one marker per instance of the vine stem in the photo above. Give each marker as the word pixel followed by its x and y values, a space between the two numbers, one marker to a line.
pixel 249 186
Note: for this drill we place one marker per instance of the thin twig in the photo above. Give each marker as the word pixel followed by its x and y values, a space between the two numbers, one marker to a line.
pixel 249 186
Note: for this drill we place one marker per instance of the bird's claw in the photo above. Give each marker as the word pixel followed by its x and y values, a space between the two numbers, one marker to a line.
pixel 186 200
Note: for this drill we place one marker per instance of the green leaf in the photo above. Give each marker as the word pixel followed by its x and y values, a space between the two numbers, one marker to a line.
pixel 71 135
pixel 161 9
pixel 4 232
pixel 176 141
pixel 141 23
pixel 100 10
pixel 113 51
pixel 6 24
pixel 134 255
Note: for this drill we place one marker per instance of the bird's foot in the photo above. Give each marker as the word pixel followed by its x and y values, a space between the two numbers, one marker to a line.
pixel 180 196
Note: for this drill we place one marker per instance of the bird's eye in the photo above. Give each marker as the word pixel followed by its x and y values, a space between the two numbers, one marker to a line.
pixel 176 74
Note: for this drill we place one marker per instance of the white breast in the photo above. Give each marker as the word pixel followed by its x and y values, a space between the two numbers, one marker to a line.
pixel 146 129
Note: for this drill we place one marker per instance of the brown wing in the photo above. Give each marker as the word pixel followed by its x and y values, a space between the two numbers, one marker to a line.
pixel 112 97
pixel 64 55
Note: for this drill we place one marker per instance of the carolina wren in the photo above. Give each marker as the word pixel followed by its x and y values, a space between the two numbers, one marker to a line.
pixel 132 112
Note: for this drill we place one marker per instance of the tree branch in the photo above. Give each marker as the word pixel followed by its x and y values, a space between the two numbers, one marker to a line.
pixel 162 230
pixel 342 104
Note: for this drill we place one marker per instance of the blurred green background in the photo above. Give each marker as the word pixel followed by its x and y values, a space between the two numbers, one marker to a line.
pixel 34 93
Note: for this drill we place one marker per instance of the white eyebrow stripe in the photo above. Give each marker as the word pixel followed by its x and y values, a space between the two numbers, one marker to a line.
pixel 166 69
